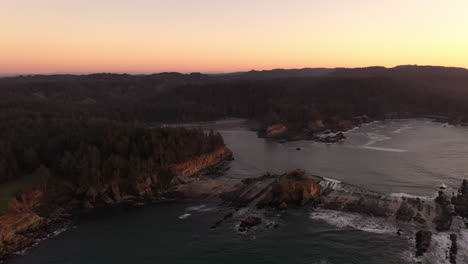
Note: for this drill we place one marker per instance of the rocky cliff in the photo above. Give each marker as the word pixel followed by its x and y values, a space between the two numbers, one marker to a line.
pixel 276 130
pixel 23 223
pixel 294 188
pixel 194 166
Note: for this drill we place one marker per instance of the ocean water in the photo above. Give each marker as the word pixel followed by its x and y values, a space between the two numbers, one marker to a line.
pixel 395 157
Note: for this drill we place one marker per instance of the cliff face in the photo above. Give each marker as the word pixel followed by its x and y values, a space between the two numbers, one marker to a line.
pixel 17 231
pixel 20 226
pixel 276 130
pixel 33 211
pixel 149 186
pixel 292 188
pixel 193 166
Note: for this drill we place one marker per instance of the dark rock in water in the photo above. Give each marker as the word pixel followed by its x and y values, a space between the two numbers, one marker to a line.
pixel 419 218
pixel 453 249
pixel 249 191
pixel 444 212
pixel 461 200
pixel 283 206
pixel 272 225
pixel 399 232
pixel 218 223
pixel 442 199
pixel 298 149
pixel 423 241
pixel 333 139
pixel 405 213
pixel 249 222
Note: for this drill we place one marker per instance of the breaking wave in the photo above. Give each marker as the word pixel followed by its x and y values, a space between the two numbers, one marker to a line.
pixel 405 195
pixel 383 149
pixel 374 138
pixel 184 216
pixel 199 208
pixel 356 221
pixel 401 129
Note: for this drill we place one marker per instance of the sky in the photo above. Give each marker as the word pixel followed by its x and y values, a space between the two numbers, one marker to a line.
pixel 51 36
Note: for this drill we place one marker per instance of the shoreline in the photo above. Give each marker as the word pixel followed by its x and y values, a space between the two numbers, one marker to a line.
pixel 245 197
pixel 331 135
pixel 23 230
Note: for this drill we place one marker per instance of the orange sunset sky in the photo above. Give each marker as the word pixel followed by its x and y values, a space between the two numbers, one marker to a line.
pixel 51 36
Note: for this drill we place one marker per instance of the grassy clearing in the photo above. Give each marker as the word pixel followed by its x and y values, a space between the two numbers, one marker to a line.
pixel 10 189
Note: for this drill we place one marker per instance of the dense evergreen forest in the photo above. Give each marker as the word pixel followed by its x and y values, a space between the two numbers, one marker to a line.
pixel 90 128
pixel 294 97
pixel 93 151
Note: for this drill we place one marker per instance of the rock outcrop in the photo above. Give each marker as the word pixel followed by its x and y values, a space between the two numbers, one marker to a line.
pixel 194 166
pixel 423 241
pixel 27 200
pixel 18 231
pixel 294 188
pixel 332 138
pixel 444 212
pixel 358 120
pixel 453 249
pixel 316 126
pixel 276 130
pixel 249 222
pixel 344 125
pixel 23 223
pixel 460 201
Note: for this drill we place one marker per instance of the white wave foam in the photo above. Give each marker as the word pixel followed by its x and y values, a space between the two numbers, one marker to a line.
pixel 349 131
pixel 401 129
pixel 401 195
pixel 331 180
pixel 374 138
pixel 383 149
pixel 199 208
pixel 37 241
pixel 330 183
pixel 184 216
pixel 462 243
pixel 356 221
pixel 438 251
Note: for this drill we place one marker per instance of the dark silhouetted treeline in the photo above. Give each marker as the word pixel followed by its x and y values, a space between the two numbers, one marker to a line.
pixel 93 151
pixel 291 96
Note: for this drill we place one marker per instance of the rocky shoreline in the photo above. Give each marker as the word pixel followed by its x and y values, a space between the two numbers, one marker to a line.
pixel 295 189
pixel 420 218
pixel 33 216
pixel 319 131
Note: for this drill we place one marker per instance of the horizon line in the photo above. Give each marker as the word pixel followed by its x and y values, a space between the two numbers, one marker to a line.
pixel 212 72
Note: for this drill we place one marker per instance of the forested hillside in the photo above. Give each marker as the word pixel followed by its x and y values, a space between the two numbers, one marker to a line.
pixel 89 128
pixel 86 153
pixel 294 97
pixel 94 150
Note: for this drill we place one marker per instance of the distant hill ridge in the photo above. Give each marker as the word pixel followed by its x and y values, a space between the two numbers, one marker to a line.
pixel 296 97
pixel 282 73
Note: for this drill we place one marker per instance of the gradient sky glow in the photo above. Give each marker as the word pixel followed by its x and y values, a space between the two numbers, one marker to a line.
pixel 220 36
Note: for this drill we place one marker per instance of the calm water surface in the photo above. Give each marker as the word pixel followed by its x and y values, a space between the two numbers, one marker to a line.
pixel 406 156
